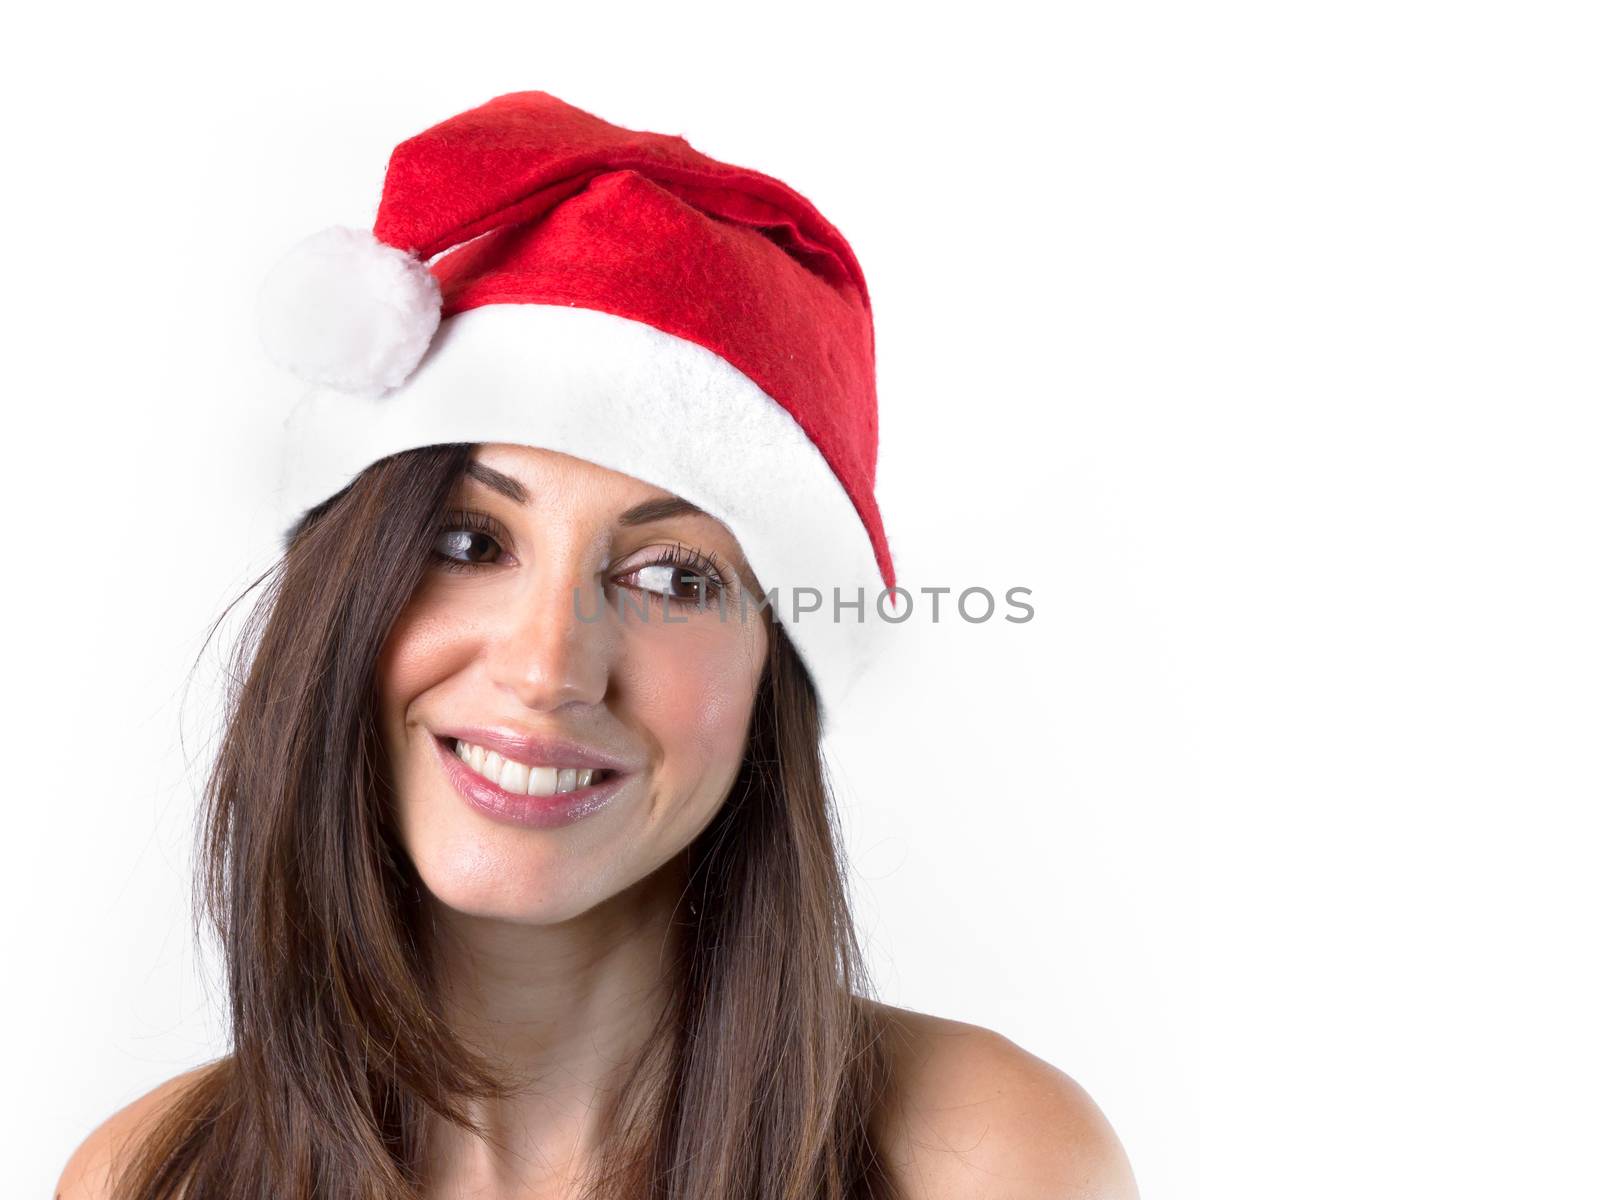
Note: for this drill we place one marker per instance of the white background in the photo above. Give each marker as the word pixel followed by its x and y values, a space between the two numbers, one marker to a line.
pixel 1259 340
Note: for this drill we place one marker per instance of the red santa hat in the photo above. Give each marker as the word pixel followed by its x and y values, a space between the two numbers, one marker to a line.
pixel 539 276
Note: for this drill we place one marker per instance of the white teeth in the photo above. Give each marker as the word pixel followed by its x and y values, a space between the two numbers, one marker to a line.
pixel 521 778
pixel 514 777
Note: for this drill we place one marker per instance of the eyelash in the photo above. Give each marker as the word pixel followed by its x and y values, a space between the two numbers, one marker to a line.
pixel 677 555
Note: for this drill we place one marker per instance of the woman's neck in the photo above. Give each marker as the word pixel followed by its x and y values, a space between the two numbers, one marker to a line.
pixel 563 1010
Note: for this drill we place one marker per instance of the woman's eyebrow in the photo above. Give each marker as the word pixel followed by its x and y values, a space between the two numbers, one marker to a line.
pixel 639 514
pixel 504 484
pixel 660 510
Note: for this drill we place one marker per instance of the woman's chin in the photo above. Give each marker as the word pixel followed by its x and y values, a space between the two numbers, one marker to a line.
pixel 482 872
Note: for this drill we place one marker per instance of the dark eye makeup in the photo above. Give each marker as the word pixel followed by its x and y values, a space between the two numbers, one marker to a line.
pixel 677 573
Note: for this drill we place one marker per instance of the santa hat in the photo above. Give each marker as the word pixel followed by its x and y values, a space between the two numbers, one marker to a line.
pixel 538 276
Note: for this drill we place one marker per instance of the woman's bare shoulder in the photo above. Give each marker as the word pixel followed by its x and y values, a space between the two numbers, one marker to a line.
pixel 971 1115
pixel 95 1164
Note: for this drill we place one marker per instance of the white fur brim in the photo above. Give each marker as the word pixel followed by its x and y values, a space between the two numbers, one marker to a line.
pixel 630 397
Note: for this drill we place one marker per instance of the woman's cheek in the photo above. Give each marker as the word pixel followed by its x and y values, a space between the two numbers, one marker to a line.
pixel 693 687
pixel 431 641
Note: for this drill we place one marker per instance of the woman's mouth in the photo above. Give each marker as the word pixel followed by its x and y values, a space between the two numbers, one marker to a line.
pixel 521 779
pixel 533 795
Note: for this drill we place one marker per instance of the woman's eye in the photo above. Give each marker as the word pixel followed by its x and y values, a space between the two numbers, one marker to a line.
pixel 674 581
pixel 465 547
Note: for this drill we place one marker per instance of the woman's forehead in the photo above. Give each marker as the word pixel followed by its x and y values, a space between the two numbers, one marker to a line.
pixel 528 465
pixel 523 473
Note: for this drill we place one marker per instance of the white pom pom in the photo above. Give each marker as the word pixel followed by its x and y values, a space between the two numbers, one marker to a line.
pixel 347 311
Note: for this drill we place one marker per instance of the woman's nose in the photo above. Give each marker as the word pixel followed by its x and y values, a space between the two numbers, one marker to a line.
pixel 545 652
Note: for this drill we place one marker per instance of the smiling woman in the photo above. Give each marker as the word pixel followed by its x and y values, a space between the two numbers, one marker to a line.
pixel 518 842
pixel 658 699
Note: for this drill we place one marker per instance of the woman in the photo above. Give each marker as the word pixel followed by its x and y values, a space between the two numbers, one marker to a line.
pixel 518 841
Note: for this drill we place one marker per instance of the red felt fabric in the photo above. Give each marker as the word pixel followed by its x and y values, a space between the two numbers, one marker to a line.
pixel 569 209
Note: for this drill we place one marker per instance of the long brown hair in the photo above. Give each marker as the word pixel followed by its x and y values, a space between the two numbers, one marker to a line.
pixel 762 1077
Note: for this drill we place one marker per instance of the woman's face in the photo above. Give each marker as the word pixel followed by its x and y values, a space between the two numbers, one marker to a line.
pixel 562 624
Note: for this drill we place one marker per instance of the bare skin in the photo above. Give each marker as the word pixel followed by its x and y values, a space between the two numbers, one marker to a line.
pixel 970 1116
pixel 554 939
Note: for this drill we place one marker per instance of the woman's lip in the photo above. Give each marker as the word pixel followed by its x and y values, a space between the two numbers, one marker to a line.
pixel 538 812
pixel 535 750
